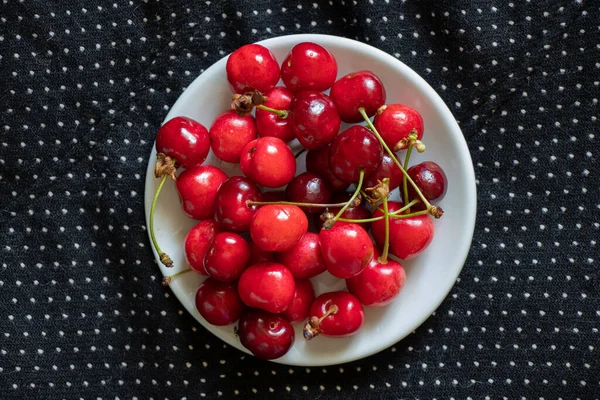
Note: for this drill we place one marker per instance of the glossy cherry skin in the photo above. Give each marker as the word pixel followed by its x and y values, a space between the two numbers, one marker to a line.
pixel 353 149
pixel 298 309
pixel 360 212
pixel 185 140
pixel 267 336
pixel 346 321
pixel 431 180
pixel 308 188
pixel 315 119
pixel 219 302
pixel 379 283
pixel 408 236
pixel 309 66
pixel 304 260
pixel 227 257
pixel 231 211
pixel 356 90
pixel 197 242
pixel 395 121
pixel 269 162
pixel 230 133
pixel 278 227
pixel 197 188
pixel 269 286
pixel 386 169
pixel 317 162
pixel 346 249
pixel 270 124
pixel 252 66
pixel 258 255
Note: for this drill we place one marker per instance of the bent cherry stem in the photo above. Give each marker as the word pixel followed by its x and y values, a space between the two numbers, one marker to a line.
pixel 251 203
pixel 163 174
pixel 283 114
pixel 386 244
pixel 312 329
pixel 166 281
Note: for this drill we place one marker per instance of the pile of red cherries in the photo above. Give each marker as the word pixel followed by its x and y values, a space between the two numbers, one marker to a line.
pixel 259 244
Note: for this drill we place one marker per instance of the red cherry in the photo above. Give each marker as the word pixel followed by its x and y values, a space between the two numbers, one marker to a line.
pixel 353 149
pixel 408 236
pixel 317 162
pixel 267 336
pixel 346 249
pixel 231 210
pixel 197 188
pixel 360 212
pixel 431 180
pixel 395 121
pixel 304 260
pixel 299 307
pixel 268 123
pixel 308 188
pixel 269 162
pixel 230 133
pixel 227 257
pixel 315 120
pixel 274 195
pixel 258 255
pixel 252 66
pixel 185 140
pixel 269 286
pixel 361 89
pixel 386 169
pixel 219 302
pixel 379 283
pixel 309 66
pixel 278 227
pixel 334 314
pixel 197 243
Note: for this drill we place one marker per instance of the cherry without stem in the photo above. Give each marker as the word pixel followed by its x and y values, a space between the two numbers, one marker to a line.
pixel 315 119
pixel 299 307
pixel 267 336
pixel 227 257
pixel 304 260
pixel 230 133
pixel 252 66
pixel 362 89
pixel 354 149
pixel 197 188
pixel 269 162
pixel 346 249
pixel 197 242
pixel 219 302
pixel 278 227
pixel 431 180
pixel 269 286
pixel 309 66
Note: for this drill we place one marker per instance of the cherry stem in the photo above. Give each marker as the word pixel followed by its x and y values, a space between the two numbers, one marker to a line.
pixel 404 182
pixel 396 214
pixel 164 258
pixel 406 207
pixel 166 281
pixel 251 203
pixel 331 310
pixel 392 155
pixel 354 195
pixel 283 114
pixel 386 244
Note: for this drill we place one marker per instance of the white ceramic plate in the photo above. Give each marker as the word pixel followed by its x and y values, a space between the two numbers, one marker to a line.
pixel 429 277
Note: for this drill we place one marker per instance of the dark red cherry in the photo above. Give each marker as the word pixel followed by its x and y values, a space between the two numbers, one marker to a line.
pixel 185 140
pixel 227 257
pixel 317 162
pixel 267 336
pixel 197 243
pixel 315 120
pixel 431 180
pixel 361 89
pixel 304 260
pixel 268 123
pixel 360 212
pixel 308 188
pixel 230 133
pixel 258 255
pixel 197 188
pixel 386 169
pixel 308 66
pixel 269 162
pixel 219 302
pixel 269 286
pixel 231 210
pixel 379 283
pixel 252 66
pixel 278 227
pixel 346 249
pixel 304 296
pixel 353 149
pixel 334 314
pixel 395 121
pixel 409 237
pixel 274 195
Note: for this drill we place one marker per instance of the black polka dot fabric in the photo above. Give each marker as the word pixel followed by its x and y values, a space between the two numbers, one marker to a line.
pixel 85 86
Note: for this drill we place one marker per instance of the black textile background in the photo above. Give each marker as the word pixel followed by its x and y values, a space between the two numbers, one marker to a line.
pixel 84 85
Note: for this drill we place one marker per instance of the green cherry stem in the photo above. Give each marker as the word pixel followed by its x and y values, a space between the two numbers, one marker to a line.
pixel 354 195
pixel 391 153
pixel 250 203
pixel 406 207
pixel 166 281
pixel 283 114
pixel 404 182
pixel 164 258
pixel 391 215
pixel 386 244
